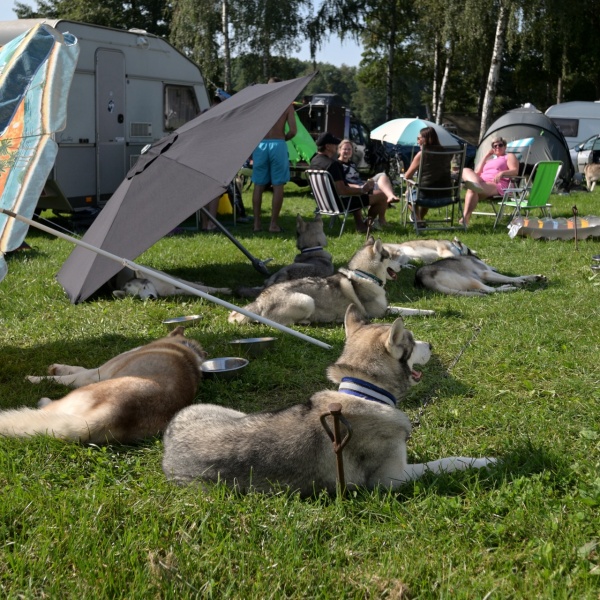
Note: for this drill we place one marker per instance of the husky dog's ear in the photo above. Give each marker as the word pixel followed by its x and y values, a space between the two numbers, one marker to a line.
pixel 318 218
pixel 370 241
pixel 119 294
pixel 397 333
pixel 353 320
pixel 300 225
pixel 177 331
pixel 378 247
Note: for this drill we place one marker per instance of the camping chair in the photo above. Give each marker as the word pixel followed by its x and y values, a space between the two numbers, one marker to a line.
pixel 521 149
pixel 328 200
pixel 437 187
pixel 535 193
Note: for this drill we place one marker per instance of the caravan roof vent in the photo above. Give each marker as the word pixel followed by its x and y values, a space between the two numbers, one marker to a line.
pixel 141 130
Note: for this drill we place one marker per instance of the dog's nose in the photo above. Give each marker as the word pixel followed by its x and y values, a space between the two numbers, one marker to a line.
pixel 430 345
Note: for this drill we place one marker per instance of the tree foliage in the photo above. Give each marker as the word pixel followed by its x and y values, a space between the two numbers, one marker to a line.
pixel 152 15
pixel 420 58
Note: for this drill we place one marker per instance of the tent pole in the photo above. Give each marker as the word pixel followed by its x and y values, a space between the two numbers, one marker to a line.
pixel 162 277
pixel 259 265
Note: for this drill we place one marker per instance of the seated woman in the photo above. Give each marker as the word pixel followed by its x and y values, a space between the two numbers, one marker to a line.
pixel 435 177
pixel 381 195
pixel 491 177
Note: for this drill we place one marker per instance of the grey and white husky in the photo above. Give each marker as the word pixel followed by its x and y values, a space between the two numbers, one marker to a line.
pixel 291 449
pixel 469 276
pixel 325 299
pixel 428 251
pixel 313 260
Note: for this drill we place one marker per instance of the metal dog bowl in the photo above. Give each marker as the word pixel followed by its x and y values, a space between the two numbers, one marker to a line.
pixel 182 321
pixel 225 368
pixel 253 346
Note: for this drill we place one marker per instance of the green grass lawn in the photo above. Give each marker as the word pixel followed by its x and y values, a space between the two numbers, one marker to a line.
pixel 515 376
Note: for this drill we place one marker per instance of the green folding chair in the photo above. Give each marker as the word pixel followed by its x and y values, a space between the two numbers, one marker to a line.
pixel 533 195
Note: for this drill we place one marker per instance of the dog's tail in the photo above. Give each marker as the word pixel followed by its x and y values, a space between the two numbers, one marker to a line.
pixel 25 422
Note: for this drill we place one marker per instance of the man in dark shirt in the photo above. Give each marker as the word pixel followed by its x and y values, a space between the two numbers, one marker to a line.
pixel 326 160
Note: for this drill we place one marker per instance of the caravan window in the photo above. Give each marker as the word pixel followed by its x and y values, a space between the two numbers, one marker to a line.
pixel 568 127
pixel 180 106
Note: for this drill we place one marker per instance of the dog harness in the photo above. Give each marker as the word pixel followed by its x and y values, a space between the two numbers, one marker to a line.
pixel 458 248
pixel 362 275
pixel 366 390
pixel 313 249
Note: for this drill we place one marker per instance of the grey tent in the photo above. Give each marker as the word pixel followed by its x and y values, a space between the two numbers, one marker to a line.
pixel 177 176
pixel 528 122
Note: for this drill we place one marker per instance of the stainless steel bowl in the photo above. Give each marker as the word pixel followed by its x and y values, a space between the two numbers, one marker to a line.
pixel 226 368
pixel 253 346
pixel 188 321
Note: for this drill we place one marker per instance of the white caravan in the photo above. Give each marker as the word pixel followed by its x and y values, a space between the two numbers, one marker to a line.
pixel 577 120
pixel 130 88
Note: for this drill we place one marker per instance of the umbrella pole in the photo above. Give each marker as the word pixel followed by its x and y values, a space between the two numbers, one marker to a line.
pixel 259 265
pixel 165 278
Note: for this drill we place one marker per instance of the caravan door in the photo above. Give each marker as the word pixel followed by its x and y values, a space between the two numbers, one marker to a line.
pixel 110 122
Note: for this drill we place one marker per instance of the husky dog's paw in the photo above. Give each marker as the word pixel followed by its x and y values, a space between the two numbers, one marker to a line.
pixel 34 379
pixel 479 463
pixel 57 369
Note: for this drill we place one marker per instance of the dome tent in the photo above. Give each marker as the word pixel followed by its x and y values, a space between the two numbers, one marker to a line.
pixel 529 122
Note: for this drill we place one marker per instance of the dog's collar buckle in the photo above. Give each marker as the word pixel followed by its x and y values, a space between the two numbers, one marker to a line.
pixel 363 389
pixel 369 276
pixel 313 249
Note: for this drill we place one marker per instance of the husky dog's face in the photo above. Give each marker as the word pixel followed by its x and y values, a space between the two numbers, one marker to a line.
pixel 386 355
pixel 310 234
pixel 375 259
pixel 397 261
pixel 142 288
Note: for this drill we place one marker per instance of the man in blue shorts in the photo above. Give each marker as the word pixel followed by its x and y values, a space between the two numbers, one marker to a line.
pixel 271 165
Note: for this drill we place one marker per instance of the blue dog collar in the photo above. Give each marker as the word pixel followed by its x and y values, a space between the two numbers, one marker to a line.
pixel 366 390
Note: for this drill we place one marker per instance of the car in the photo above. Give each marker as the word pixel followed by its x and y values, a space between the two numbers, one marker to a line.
pixel 588 152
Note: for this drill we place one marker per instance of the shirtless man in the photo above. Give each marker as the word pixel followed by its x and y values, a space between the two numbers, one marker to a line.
pixel 271 164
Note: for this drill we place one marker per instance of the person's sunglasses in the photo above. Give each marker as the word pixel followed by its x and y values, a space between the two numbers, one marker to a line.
pixel 498 145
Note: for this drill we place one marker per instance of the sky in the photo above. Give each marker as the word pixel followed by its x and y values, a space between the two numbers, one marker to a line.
pixel 333 51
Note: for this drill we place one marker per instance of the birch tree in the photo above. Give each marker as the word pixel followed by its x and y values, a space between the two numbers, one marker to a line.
pixel 504 8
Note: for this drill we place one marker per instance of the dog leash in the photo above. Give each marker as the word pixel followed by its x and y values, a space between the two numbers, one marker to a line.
pixel 335 411
pixel 430 398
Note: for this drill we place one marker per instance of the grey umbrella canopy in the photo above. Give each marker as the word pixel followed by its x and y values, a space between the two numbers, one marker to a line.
pixel 177 176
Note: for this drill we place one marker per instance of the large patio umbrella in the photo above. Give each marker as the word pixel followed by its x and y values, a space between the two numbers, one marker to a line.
pixel 177 176
pixel 36 70
pixel 404 132
pixel 172 166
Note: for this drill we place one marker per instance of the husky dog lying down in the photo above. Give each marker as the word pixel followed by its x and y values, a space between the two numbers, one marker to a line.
pixel 144 286
pixel 131 397
pixel 468 276
pixel 428 251
pixel 313 260
pixel 290 447
pixel 325 299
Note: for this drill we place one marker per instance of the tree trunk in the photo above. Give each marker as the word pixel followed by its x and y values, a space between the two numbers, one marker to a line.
pixel 226 49
pixel 389 84
pixel 439 111
pixel 494 74
pixel 434 85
